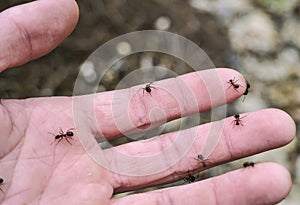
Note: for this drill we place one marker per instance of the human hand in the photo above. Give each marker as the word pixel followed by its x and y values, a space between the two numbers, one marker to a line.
pixel 36 172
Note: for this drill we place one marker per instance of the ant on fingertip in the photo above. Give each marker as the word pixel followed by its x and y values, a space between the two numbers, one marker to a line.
pixel 67 135
pixel 238 120
pixel 248 164
pixel 233 83
pixel 190 178
pixel 247 90
pixel 148 88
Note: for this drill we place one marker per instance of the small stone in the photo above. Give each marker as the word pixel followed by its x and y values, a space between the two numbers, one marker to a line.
pixel 253 32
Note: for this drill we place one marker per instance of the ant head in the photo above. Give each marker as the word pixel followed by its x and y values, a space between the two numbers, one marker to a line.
pixel 236 116
pixel 70 134
pixel 57 136
pixel 1 180
pixel 200 156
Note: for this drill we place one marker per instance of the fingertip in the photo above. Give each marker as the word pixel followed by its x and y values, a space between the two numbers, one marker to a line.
pixel 282 120
pixel 264 183
pixel 275 178
pixel 283 178
pixel 34 29
pixel 261 130
pixel 231 74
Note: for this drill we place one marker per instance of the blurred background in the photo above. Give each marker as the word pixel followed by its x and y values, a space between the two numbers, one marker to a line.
pixel 259 38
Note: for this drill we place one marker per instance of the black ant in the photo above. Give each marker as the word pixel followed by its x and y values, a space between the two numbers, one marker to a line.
pixel 247 90
pixel 148 87
pixel 68 135
pixel 190 178
pixel 1 182
pixel 237 120
pixel 201 158
pixel 234 83
pixel 248 86
pixel 248 164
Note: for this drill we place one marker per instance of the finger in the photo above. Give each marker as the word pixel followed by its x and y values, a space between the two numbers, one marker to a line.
pixel 128 111
pixel 32 30
pixel 6 128
pixel 168 157
pixel 266 183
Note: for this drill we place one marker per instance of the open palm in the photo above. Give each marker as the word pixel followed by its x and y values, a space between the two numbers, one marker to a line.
pixel 37 171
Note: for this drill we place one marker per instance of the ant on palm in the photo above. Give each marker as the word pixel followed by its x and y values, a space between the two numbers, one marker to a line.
pixel 1 182
pixel 233 83
pixel 190 178
pixel 237 120
pixel 248 164
pixel 68 135
pixel 148 88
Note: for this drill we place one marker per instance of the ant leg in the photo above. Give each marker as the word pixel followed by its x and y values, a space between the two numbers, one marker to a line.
pixel 229 86
pixel 68 140
pixel 244 98
pixel 203 163
pixel 233 122
pixel 52 142
pixel 59 141
pixel 2 191
pixel 51 133
pixel 61 131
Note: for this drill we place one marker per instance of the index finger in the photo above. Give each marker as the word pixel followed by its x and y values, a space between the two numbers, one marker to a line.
pixel 127 111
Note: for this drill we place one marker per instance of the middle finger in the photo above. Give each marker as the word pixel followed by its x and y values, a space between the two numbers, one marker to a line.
pixel 168 157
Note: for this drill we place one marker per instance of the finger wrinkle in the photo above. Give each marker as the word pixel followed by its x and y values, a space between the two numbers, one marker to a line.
pixel 213 187
pixel 184 102
pixel 138 107
pixel 32 30
pixel 165 198
pixel 25 39
pixel 120 181
pixel 228 142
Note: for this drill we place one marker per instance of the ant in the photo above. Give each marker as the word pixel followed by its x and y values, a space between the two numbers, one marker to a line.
pixel 1 182
pixel 147 88
pixel 248 86
pixel 68 135
pixel 201 158
pixel 237 120
pixel 246 91
pixel 190 178
pixel 233 82
pixel 248 164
